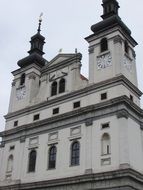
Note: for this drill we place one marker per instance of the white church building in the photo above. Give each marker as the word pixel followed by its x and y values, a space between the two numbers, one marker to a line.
pixel 66 132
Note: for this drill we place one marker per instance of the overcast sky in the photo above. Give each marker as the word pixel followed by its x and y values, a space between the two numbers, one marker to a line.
pixel 65 25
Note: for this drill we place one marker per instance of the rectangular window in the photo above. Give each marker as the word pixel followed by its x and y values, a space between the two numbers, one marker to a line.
pixel 55 111
pixel 12 147
pixel 36 117
pixel 76 104
pixel 105 125
pixel 131 98
pixel 104 96
pixel 15 123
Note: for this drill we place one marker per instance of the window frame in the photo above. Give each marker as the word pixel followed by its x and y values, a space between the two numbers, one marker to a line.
pixel 22 79
pixel 105 150
pixel 105 125
pixel 15 124
pixel 10 161
pixel 54 88
pixel 31 162
pixel 75 157
pixel 62 85
pixel 56 111
pixel 102 96
pixel 75 107
pixel 52 157
pixel 103 45
pixel 36 117
pixel 126 47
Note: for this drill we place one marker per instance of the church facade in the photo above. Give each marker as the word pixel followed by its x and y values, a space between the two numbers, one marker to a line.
pixel 64 131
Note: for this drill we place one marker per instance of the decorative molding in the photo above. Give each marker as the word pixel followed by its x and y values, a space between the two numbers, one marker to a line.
pixel 54 142
pixel 133 53
pixel 91 50
pixel 33 141
pixel 117 39
pixel 114 81
pixel 75 138
pixel 122 114
pixel 22 139
pixel 32 76
pixel 89 122
pixel 124 166
pixel 141 126
pixel 13 83
pixel 59 75
pixel 111 107
pixel 60 65
pixel 89 171
pixel 105 161
pixel 2 144
pixel 127 179
pixel 53 136
pixel 43 78
pixel 75 131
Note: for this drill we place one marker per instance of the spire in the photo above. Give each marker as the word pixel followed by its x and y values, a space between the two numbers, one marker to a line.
pixel 40 21
pixel 37 41
pixel 36 50
pixel 110 8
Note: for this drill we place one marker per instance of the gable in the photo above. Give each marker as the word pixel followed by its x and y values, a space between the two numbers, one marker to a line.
pixel 59 58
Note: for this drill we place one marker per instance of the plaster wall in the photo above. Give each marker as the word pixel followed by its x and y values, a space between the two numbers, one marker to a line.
pixel 67 105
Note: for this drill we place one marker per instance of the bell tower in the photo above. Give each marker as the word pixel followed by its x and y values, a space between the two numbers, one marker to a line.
pixel 25 85
pixel 111 47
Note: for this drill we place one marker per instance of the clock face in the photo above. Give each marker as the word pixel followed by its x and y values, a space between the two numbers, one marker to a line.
pixel 20 93
pixel 104 61
pixel 128 63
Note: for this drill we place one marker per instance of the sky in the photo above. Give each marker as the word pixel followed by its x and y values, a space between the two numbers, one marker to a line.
pixel 65 25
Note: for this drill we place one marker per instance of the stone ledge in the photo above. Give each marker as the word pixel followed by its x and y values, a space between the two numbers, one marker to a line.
pixel 119 179
pixel 111 107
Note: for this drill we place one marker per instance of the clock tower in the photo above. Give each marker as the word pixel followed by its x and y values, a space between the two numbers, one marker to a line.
pixel 26 83
pixel 111 47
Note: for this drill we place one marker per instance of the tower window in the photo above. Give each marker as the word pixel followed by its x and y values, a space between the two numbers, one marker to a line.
pixel 75 153
pixel 105 125
pixel 104 45
pixel 76 104
pixel 54 88
pixel 105 144
pixel 62 85
pixel 104 96
pixel 15 123
pixel 52 157
pixel 36 117
pixel 22 79
pixel 32 161
pixel 126 47
pixel 12 147
pixel 131 98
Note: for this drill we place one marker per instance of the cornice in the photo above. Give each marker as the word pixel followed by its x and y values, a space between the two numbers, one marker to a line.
pixel 121 178
pixel 93 112
pixel 87 90
pixel 50 68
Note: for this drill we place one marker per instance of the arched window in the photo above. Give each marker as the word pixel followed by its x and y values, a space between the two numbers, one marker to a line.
pixel 32 161
pixel 105 144
pixel 104 44
pixel 10 164
pixel 75 153
pixel 126 47
pixel 22 79
pixel 54 88
pixel 62 85
pixel 52 157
